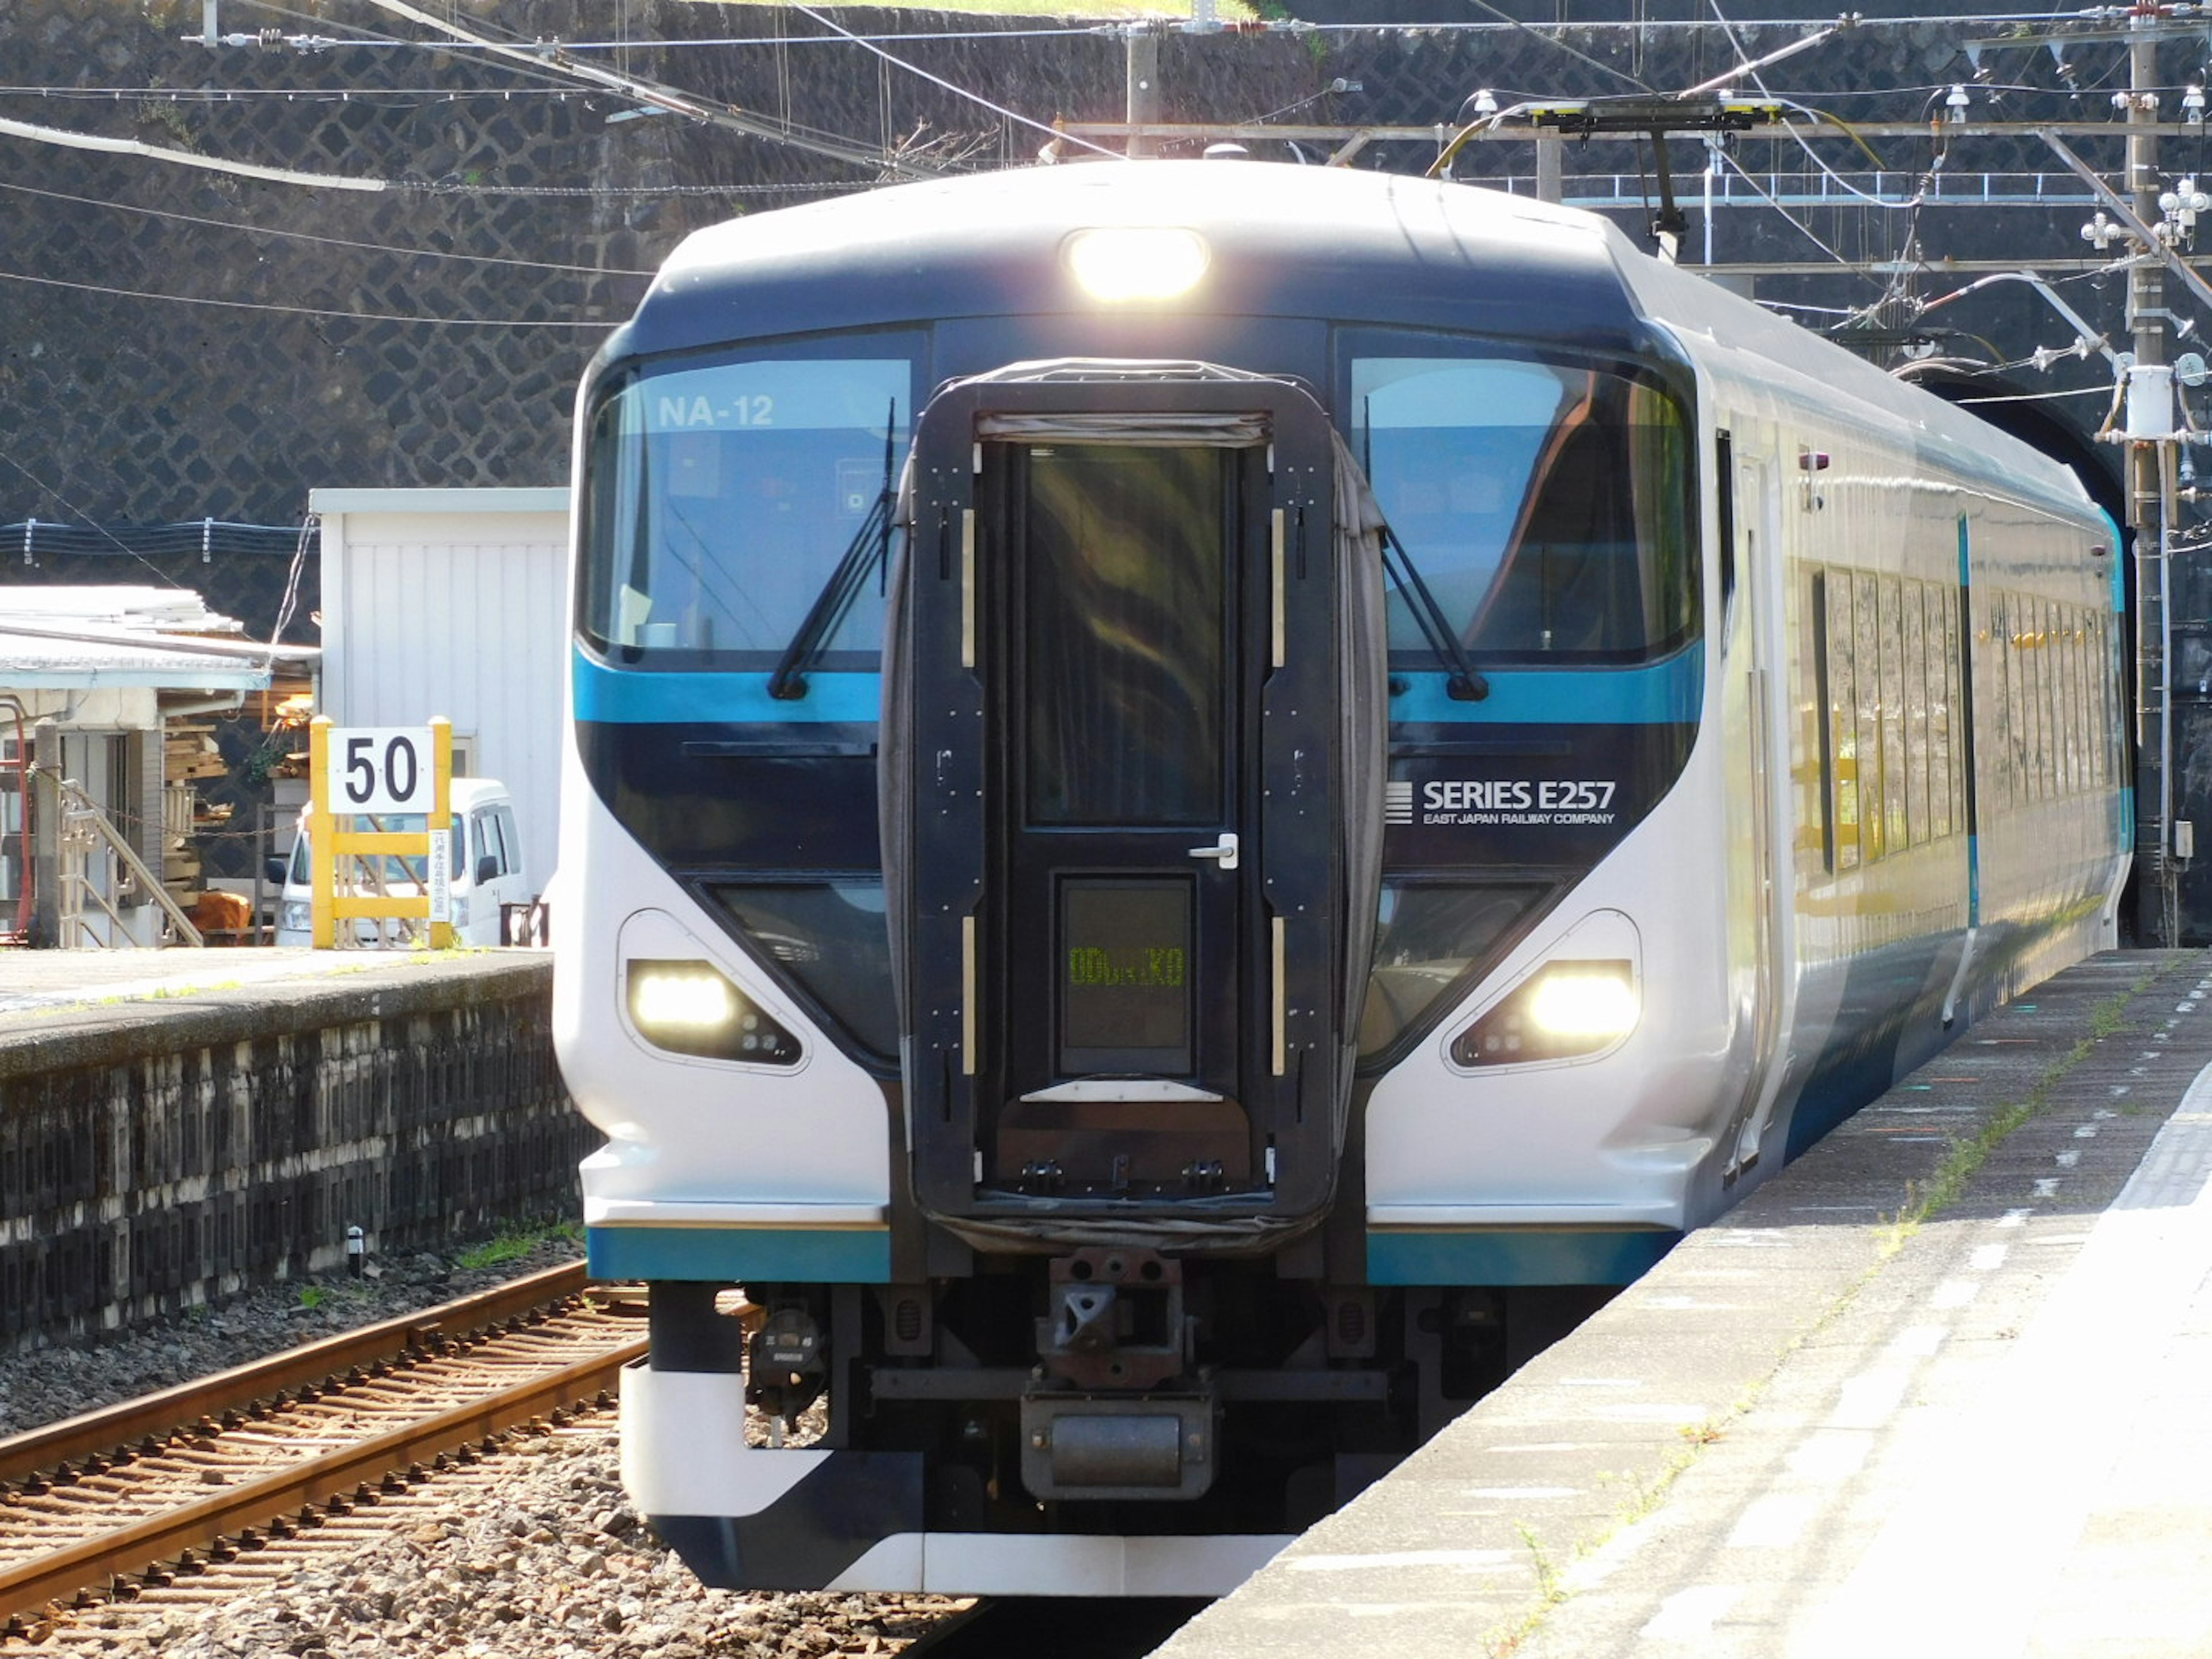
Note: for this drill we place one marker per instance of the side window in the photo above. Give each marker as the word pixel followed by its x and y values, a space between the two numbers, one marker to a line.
pixel 1843 717
pixel 1866 653
pixel 510 842
pixel 483 842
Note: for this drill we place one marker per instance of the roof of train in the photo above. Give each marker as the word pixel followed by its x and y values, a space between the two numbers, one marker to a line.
pixel 1285 241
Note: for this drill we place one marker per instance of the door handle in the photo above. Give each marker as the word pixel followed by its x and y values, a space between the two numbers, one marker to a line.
pixel 1223 851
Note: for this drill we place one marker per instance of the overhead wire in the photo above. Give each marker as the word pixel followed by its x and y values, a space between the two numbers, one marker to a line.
pixel 996 108
pixel 309 236
pixel 1796 223
pixel 601 324
pixel 67 506
pixel 1637 82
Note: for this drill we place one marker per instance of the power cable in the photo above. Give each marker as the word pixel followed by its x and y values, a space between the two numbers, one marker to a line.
pixel 1796 223
pixel 325 242
pixel 656 95
pixel 1560 45
pixel 40 484
pixel 957 91
pixel 307 311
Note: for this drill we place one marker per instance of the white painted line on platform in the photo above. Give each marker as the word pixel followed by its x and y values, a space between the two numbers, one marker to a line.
pixel 1831 1454
pixel 1867 1401
pixel 2005 1520
pixel 2046 1187
pixel 1916 1342
pixel 1989 1258
pixel 2067 1160
pixel 1955 1293
pixel 1776 1522
pixel 2085 1132
pixel 1661 1411
pixel 1688 1615
pixel 1463 1560
pixel 2011 1218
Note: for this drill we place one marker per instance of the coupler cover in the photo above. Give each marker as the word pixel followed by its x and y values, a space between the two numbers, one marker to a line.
pixel 1090 1446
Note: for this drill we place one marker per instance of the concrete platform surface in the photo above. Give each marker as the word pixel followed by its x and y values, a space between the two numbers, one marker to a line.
pixel 1943 1388
pixel 50 980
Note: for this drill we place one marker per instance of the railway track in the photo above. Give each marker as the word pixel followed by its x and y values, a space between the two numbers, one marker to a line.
pixel 197 1479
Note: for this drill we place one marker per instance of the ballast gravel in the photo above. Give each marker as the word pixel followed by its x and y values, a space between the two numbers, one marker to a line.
pixel 538 1557
pixel 45 1384
pixel 545 1562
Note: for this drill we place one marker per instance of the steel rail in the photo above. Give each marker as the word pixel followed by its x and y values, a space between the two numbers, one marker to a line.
pixel 340 1475
pixel 96 1432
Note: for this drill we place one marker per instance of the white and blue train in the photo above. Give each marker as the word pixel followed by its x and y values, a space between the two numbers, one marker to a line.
pixel 1201 798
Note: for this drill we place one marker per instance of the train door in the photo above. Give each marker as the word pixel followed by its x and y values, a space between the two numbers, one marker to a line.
pixel 1120 579
pixel 1759 881
pixel 1124 762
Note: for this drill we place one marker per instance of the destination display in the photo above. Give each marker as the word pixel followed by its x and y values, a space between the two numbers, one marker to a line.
pixel 1125 977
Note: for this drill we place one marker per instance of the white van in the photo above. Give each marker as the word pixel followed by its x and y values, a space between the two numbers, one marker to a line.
pixel 487 865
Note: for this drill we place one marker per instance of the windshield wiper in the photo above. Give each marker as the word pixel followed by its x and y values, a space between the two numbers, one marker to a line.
pixel 1465 686
pixel 871 546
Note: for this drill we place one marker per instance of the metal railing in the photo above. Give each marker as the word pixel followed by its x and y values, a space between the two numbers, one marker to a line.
pixel 97 868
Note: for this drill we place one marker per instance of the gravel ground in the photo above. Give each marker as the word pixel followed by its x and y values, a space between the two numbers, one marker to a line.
pixel 545 1559
pixel 45 1384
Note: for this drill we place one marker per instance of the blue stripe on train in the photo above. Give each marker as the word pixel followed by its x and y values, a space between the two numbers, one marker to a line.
pixel 813 1256
pixel 1656 694
pixel 631 697
pixel 1527 1256
pixel 1653 694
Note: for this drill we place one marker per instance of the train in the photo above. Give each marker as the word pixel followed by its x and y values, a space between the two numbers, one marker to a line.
pixel 1204 799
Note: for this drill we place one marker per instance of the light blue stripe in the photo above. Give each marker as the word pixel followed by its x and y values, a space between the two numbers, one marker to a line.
pixel 807 1255
pixel 1973 842
pixel 620 697
pixel 2118 545
pixel 1660 694
pixel 1511 1256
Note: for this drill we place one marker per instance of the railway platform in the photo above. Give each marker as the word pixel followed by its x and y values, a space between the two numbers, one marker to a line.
pixel 31 981
pixel 1939 1387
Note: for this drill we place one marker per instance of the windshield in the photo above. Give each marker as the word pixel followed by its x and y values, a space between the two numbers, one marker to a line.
pixel 1547 507
pixel 721 497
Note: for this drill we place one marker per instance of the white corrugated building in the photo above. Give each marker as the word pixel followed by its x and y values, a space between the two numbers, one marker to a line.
pixel 453 602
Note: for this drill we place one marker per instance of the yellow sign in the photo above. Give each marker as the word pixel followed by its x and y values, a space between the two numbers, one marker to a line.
pixel 369 773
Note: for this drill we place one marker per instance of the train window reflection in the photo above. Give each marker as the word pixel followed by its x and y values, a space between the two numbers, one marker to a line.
pixel 832 940
pixel 1547 507
pixel 720 498
pixel 1431 937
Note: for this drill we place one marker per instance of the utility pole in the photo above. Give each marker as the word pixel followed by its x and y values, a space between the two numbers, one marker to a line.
pixel 2151 459
pixel 1143 42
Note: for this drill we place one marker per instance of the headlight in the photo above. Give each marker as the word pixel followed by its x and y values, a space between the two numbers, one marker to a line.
pixel 692 1008
pixel 1121 263
pixel 298 916
pixel 1563 1010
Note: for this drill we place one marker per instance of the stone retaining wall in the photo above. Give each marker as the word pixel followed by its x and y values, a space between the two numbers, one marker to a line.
pixel 157 1154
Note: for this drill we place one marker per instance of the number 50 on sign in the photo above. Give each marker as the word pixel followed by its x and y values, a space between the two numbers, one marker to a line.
pixel 383 768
